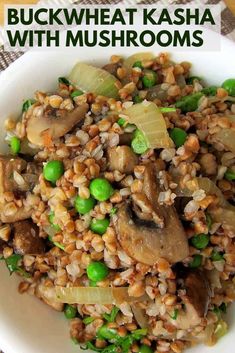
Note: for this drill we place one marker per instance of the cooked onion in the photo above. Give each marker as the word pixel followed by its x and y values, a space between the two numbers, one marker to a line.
pixel 93 295
pixel 129 62
pixel 140 316
pixel 149 119
pixel 227 138
pixel 224 214
pixel 200 183
pixel 214 278
pixel 158 91
pixel 221 329
pixel 93 79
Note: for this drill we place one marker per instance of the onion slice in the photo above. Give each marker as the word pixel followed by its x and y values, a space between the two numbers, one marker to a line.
pixel 93 79
pixel 199 183
pixel 149 119
pixel 140 316
pixel 93 295
pixel 227 138
pixel 224 212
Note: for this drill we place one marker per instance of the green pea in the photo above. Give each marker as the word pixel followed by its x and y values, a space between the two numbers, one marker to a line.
pixel 84 206
pixel 229 175
pixel 101 189
pixel 107 333
pixel 76 93
pixel 210 91
pixel 27 104
pixel 53 170
pixel 200 241
pixel 145 349
pixel 138 64
pixel 139 143
pixel 179 136
pixel 197 261
pixel 97 271
pixel 70 311
pixel 229 85
pixel 149 79
pixel 64 81
pixel 15 145
pixel 216 256
pixel 189 103
pixel 191 79
pixel 99 226
pixel 137 99
pixel 51 220
pixel 121 122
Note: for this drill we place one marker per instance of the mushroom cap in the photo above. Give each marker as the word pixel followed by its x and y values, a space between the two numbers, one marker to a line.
pixel 122 158
pixel 39 127
pixel 26 240
pixel 198 291
pixel 147 243
pixel 196 300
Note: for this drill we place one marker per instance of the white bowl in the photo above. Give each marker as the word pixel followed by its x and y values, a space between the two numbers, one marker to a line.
pixel 26 324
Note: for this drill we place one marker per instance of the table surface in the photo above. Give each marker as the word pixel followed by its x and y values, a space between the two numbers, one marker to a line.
pixel 231 5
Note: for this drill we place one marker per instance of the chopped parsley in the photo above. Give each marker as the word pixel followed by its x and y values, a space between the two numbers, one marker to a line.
pixel 12 263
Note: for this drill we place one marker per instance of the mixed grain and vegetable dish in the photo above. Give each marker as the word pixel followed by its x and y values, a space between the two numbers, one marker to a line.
pixel 117 204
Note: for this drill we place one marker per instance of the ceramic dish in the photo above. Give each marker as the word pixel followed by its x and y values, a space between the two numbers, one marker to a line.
pixel 27 325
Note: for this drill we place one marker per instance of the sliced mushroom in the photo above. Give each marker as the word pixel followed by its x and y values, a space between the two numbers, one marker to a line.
pixel 126 138
pixel 21 214
pixel 158 91
pixel 122 158
pixel 47 294
pixel 144 241
pixel 196 300
pixel 112 68
pixel 9 165
pixel 3 244
pixel 26 240
pixel 39 129
pixel 17 176
pixel 144 209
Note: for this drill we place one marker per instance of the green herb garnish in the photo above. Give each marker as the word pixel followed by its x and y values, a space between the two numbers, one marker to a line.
pixel 64 81
pixel 209 91
pixel 27 104
pixel 167 110
pixel 208 221
pixel 12 263
pixel 117 343
pixel 175 314
pixel 88 320
pixel 58 245
pixel 113 211
pixel 112 316
pixel 189 103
